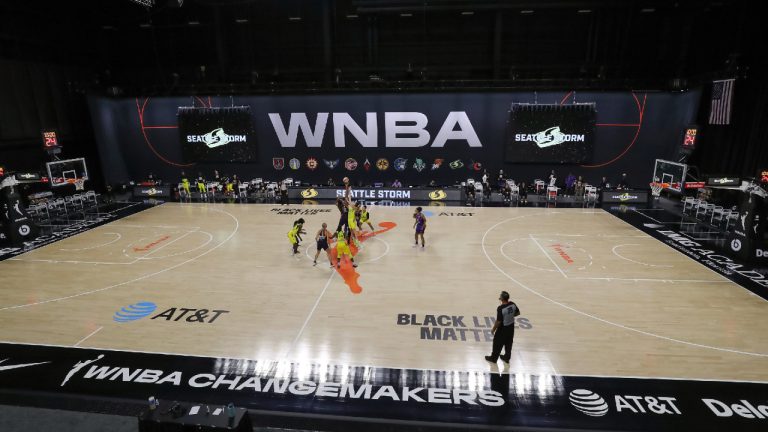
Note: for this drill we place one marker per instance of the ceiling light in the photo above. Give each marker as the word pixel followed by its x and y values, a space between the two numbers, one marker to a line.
pixel 294 18
pixel 647 10
pixel 241 20
pixel 194 23
pixel 584 11
pixel 351 16
pixel 406 14
pixel 526 12
pixel 468 13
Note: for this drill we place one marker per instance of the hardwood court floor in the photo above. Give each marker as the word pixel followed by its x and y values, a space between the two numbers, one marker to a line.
pixel 598 297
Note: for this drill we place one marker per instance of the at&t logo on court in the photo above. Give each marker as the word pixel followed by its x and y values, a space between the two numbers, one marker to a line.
pixel 593 405
pixel 134 312
pixel 140 310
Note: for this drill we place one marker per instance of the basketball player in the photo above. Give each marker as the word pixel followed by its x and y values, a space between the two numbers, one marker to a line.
pixel 301 231
pixel 321 238
pixel 352 222
pixel 185 184
pixel 229 188
pixel 341 204
pixel 503 329
pixel 347 190
pixel 342 248
pixel 365 218
pixel 293 234
pixel 200 183
pixel 420 224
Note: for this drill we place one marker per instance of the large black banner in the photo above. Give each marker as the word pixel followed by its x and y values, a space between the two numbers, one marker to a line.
pixel 551 133
pixel 377 138
pixel 217 134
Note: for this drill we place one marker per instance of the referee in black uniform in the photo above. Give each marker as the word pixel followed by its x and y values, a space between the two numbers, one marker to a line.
pixel 503 329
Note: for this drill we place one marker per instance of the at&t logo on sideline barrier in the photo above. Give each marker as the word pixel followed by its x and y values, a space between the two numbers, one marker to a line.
pixel 588 402
pixel 141 310
pixel 593 405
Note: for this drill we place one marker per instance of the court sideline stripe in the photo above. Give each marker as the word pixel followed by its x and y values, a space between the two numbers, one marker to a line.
pixel 232 234
pixel 87 337
pixel 555 302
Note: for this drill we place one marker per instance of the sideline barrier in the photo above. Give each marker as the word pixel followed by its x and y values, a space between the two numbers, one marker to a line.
pixel 368 193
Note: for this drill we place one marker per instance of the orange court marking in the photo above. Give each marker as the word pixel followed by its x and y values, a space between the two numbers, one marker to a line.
pixel 151 245
pixel 350 273
pixel 562 253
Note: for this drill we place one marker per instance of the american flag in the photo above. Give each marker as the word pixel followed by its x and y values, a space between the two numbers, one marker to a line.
pixel 722 97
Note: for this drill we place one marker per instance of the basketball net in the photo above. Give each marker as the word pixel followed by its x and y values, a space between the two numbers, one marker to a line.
pixel 79 184
pixel 656 188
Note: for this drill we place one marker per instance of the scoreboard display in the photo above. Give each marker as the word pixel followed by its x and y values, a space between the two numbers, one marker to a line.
pixel 50 140
pixel 689 140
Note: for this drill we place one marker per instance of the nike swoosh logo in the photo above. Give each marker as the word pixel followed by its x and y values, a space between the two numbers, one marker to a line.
pixel 17 366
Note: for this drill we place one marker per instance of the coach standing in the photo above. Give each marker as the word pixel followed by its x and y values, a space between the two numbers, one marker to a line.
pixel 504 328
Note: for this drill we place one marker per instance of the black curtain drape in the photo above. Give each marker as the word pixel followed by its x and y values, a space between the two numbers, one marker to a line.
pixel 740 148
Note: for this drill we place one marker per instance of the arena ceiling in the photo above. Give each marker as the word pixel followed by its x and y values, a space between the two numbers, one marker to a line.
pixel 247 45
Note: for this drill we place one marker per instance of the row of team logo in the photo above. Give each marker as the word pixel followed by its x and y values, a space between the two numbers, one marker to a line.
pixel 351 164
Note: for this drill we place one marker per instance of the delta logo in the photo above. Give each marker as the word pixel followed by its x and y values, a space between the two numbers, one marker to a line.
pixel 437 195
pixel 309 193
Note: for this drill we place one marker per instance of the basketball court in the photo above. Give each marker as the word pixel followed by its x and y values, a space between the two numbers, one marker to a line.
pixel 601 300
pixel 598 297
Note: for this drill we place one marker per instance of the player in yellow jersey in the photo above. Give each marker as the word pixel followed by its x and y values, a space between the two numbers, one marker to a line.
pixel 352 223
pixel 365 218
pixel 342 248
pixel 294 234
pixel 185 186
pixel 201 184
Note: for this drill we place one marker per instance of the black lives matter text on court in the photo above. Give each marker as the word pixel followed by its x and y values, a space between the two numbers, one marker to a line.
pixel 456 328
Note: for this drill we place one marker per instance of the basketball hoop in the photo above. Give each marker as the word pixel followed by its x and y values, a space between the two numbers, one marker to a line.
pixel 79 184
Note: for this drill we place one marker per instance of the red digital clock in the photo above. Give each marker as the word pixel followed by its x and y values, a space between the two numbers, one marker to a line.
pixel 689 142
pixel 50 140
